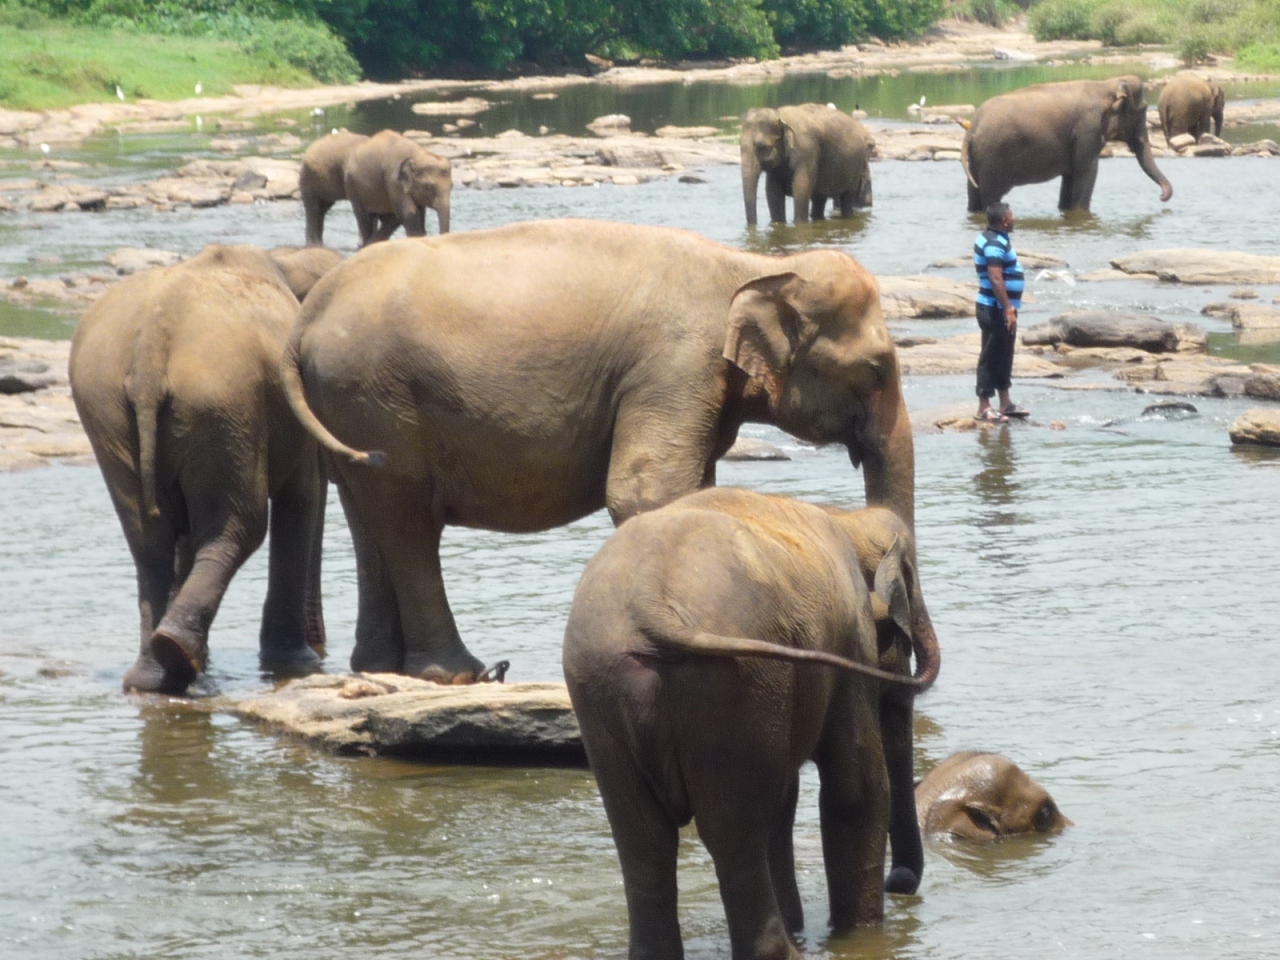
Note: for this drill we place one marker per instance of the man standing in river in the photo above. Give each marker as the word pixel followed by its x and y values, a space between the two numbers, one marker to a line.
pixel 1000 284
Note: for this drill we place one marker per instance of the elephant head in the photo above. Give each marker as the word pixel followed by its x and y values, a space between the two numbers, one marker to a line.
pixel 814 346
pixel 428 180
pixel 302 267
pixel 984 796
pixel 764 144
pixel 1219 106
pixel 1126 119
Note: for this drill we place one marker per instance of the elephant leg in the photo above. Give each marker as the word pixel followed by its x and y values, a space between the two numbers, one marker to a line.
pixel 1082 187
pixel 227 510
pixel 818 207
pixel 649 465
pixel 316 210
pixel 388 223
pixel 776 196
pixel 292 635
pixel 647 842
pixel 975 199
pixel 904 829
pixel 782 862
pixel 1066 191
pixel 853 806
pixel 414 219
pixel 379 646
pixel 365 222
pixel 399 516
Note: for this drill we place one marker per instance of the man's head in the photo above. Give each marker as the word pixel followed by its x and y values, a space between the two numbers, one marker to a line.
pixel 1000 216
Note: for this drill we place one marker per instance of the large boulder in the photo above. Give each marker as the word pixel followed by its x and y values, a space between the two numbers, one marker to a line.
pixel 385 713
pixel 1260 426
pixel 1190 265
pixel 1096 328
pixel 923 297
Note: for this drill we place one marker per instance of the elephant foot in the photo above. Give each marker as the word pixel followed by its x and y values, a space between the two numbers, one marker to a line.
pixel 494 674
pixel 293 662
pixel 901 880
pixel 181 660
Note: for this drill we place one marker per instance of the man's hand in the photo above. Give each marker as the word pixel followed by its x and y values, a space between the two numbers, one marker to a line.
pixel 1011 320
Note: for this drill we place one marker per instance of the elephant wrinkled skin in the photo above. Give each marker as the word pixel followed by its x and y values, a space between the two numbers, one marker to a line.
pixel 1191 104
pixel 984 796
pixel 388 178
pixel 680 720
pixel 810 152
pixel 520 378
pixel 175 375
pixel 1055 130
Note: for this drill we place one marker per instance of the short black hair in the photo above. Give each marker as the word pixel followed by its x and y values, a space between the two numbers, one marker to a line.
pixel 996 212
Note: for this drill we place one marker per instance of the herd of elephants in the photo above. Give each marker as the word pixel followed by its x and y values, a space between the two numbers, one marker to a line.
pixel 223 394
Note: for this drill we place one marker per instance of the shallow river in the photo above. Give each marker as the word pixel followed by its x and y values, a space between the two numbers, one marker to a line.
pixel 1106 598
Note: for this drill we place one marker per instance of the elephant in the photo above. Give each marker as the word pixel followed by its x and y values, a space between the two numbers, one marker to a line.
pixel 810 152
pixel 522 377
pixel 388 178
pixel 1190 104
pixel 175 376
pixel 674 731
pixel 975 795
pixel 1055 129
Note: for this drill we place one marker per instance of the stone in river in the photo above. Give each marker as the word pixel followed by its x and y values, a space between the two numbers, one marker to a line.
pixel 1260 425
pixel 386 713
pixel 1097 328
pixel 749 448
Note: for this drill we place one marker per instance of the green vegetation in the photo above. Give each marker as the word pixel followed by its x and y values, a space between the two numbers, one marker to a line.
pixel 1249 29
pixel 60 51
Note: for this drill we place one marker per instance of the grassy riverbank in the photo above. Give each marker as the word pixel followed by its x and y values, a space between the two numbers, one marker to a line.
pixel 1247 29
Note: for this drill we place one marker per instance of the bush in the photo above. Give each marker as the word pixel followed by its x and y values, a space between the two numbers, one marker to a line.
pixel 1260 56
pixel 813 24
pixel 1062 19
pixel 307 46
pixel 994 13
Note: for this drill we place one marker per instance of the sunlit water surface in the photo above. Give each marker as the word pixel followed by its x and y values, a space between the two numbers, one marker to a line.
pixel 1106 598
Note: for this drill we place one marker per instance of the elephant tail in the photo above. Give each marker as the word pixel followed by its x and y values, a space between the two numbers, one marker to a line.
pixel 677 638
pixel 291 377
pixel 146 412
pixel 964 153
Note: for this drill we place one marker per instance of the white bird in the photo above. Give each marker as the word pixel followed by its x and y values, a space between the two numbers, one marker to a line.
pixel 318 112
pixel 199 122
pixel 831 106
pixel 334 130
pixel 922 99
pixel 119 92
pixel 44 148
pixel 199 88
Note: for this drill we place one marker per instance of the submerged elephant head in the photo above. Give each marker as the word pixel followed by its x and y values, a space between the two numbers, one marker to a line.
pixel 984 796
pixel 814 345
pixel 1126 120
pixel 428 180
pixel 764 144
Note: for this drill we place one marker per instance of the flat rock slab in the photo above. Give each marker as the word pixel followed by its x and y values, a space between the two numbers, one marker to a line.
pixel 1259 426
pixel 749 448
pixel 1190 265
pixel 389 714
pixel 926 298
pixel 1245 316
pixel 1099 328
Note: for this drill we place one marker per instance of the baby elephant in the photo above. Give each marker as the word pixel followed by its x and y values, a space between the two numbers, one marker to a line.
pixel 715 645
pixel 983 796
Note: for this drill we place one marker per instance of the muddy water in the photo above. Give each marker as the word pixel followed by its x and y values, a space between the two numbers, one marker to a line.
pixel 1106 597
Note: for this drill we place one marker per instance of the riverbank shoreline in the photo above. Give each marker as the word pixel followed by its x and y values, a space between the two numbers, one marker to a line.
pixel 949 46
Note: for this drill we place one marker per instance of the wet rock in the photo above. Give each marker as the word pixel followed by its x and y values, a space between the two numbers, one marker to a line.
pixel 1260 425
pixel 610 125
pixel 692 178
pixel 1191 265
pixel 1263 383
pixel 1181 141
pixel 1243 293
pixel 381 713
pixel 23 376
pixel 1091 328
pixel 1203 376
pixel 749 448
pixel 127 260
pixel 453 108
pixel 957 355
pixel 925 297
pixel 1245 316
pixel 1170 410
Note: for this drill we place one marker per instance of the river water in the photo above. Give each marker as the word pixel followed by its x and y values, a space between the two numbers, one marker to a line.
pixel 1106 598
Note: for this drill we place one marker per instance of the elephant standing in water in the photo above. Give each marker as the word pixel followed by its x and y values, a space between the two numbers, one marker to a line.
pixel 810 152
pixel 388 178
pixel 520 378
pixel 680 720
pixel 983 796
pixel 1190 104
pixel 175 375
pixel 1055 130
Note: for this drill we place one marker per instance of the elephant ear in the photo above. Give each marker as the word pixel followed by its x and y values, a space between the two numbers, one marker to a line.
pixel 404 173
pixel 764 330
pixel 788 138
pixel 892 588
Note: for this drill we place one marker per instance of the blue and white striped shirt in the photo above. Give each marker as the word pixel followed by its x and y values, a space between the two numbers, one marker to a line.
pixel 993 247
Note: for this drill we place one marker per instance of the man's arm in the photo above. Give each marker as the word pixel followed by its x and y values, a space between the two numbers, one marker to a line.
pixel 996 273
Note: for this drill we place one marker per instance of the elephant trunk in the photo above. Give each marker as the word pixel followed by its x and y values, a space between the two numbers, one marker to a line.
pixel 888 454
pixel 1141 147
pixel 442 212
pixel 924 644
pixel 750 184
